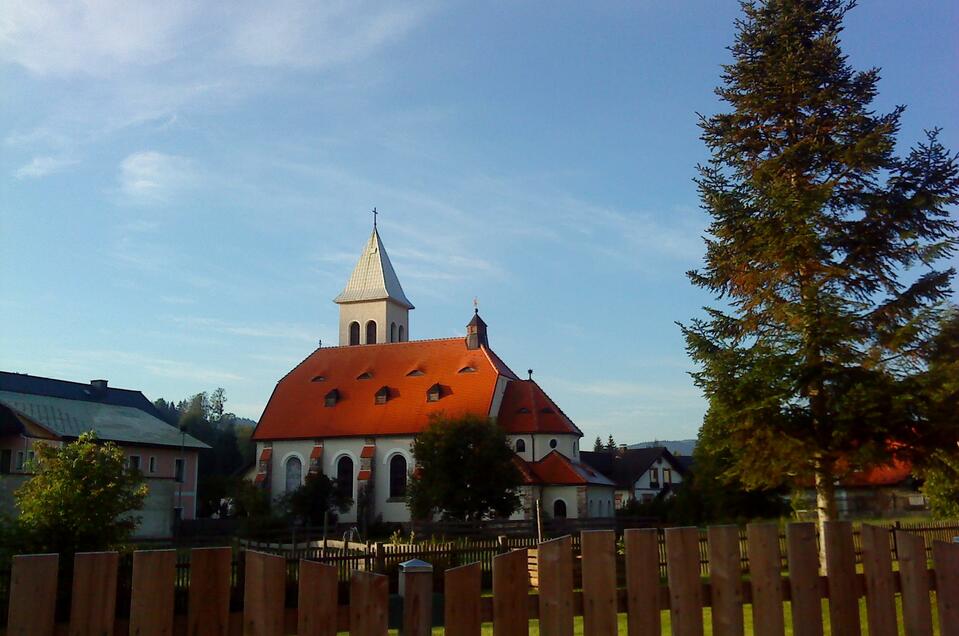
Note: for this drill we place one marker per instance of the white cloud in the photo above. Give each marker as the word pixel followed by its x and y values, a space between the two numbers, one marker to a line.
pixel 40 167
pixel 153 176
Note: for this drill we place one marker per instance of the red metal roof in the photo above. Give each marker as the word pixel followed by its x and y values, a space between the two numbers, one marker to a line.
pixel 527 409
pixel 296 409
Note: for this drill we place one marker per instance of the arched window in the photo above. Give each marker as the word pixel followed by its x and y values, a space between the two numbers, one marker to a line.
pixel 294 471
pixel 559 509
pixel 354 333
pixel 392 332
pixel 520 446
pixel 371 332
pixel 344 475
pixel 401 335
pixel 397 477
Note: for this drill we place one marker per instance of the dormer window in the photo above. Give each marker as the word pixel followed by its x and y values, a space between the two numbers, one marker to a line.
pixel 383 395
pixel 467 370
pixel 318 378
pixel 433 393
pixel 546 410
pixel 366 375
pixel 523 411
pixel 414 373
pixel 331 398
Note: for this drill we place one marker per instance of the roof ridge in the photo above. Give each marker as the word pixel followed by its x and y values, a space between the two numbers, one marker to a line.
pixel 556 406
pixel 83 384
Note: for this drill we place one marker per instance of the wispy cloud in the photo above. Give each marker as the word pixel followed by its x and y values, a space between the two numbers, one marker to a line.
pixel 275 331
pixel 40 167
pixel 151 176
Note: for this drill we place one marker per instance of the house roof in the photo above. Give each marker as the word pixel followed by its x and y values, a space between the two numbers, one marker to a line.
pixel 297 410
pixel 890 474
pixel 527 409
pixel 555 469
pixel 625 467
pixel 87 391
pixel 373 278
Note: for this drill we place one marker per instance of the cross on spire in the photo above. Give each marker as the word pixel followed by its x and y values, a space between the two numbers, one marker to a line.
pixel 374 217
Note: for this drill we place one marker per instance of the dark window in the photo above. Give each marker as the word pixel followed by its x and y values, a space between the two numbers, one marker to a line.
pixel 331 398
pixel 6 456
pixel 401 336
pixel 153 464
pixel 667 476
pixel 654 477
pixel 344 475
pixel 414 373
pixel 559 509
pixel 318 378
pixel 354 333
pixel 520 446
pixel 382 395
pixel 371 332
pixel 467 370
pixel 397 477
pixel 392 332
pixel 294 471
pixel 178 470
pixel 552 443
pixel 433 393
pixel 135 462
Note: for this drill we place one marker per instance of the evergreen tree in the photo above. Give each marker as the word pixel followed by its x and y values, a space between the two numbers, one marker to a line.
pixel 610 443
pixel 822 247
pixel 598 444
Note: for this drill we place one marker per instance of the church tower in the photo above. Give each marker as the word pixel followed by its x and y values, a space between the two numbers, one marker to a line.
pixel 373 307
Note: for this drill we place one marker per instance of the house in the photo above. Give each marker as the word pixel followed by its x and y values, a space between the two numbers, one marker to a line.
pixel 887 489
pixel 35 410
pixel 640 474
pixel 351 412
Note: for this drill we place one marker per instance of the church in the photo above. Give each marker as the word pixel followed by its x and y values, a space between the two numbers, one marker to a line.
pixel 352 411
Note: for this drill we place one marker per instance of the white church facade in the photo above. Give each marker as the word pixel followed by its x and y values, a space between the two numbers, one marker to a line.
pixel 352 411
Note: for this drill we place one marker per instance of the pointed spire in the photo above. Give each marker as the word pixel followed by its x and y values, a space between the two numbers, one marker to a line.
pixel 373 277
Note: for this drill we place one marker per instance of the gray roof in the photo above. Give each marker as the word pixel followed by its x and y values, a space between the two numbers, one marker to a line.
pixel 70 418
pixel 373 277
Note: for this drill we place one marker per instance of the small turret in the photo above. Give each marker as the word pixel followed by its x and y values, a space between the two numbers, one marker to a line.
pixel 476 332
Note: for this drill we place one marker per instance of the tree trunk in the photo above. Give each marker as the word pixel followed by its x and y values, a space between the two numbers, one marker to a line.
pixel 825 503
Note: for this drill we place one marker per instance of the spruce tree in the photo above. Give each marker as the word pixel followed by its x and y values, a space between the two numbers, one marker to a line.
pixel 823 252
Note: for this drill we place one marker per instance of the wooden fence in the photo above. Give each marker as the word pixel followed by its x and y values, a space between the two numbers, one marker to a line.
pixel 315 608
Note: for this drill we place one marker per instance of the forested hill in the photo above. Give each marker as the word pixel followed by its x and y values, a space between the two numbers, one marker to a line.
pixel 674 446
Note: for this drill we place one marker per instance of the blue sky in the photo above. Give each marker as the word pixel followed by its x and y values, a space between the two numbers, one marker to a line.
pixel 184 187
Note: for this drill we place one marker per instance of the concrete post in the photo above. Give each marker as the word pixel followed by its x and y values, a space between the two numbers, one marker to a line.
pixel 416 590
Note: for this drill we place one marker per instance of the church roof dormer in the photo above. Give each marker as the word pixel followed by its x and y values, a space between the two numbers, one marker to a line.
pixel 373 277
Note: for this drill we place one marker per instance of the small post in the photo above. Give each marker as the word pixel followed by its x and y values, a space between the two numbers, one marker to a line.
pixel 416 590
pixel 539 523
pixel 501 544
pixel 379 561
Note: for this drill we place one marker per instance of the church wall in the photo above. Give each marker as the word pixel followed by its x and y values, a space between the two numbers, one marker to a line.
pixel 392 510
pixel 600 501
pixel 382 311
pixel 566 493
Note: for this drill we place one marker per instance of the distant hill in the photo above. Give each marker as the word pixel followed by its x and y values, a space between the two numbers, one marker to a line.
pixel 674 446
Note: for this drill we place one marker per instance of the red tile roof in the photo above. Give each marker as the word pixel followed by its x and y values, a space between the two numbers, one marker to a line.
pixel 887 475
pixel 527 409
pixel 558 470
pixel 296 409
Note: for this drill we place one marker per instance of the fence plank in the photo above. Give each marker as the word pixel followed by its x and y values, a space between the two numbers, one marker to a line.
pixel 880 586
pixel 945 556
pixel 369 604
pixel 316 615
pixel 914 578
pixel 843 583
pixel 94 593
pixel 33 595
pixel 208 612
pixel 264 591
pixel 804 579
pixel 642 581
pixel 151 598
pixel 599 582
pixel 555 573
pixel 510 594
pixel 685 591
pixel 463 589
pixel 725 577
pixel 765 565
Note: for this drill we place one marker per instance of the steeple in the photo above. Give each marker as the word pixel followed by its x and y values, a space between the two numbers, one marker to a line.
pixel 476 332
pixel 373 307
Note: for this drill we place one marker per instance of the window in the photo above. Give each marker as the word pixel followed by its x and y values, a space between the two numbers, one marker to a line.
pixel 30 457
pixel 331 398
pixel 344 475
pixel 654 477
pixel 6 456
pixel 134 462
pixel 366 375
pixel 371 332
pixel 178 470
pixel 318 378
pixel 383 395
pixel 397 477
pixel 401 337
pixel 153 464
pixel 559 509
pixel 667 476
pixel 178 514
pixel 294 473
pixel 414 373
pixel 467 370
pixel 552 443
pixel 433 393
pixel 354 333
pixel 520 446
pixel 20 457
pixel 392 332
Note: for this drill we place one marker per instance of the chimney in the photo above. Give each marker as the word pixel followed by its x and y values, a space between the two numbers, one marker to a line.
pixel 476 332
pixel 98 388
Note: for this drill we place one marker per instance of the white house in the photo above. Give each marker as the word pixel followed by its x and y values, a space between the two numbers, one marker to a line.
pixel 640 474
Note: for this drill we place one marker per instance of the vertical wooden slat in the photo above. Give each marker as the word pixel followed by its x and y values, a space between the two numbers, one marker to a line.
pixel 264 592
pixel 765 565
pixel 642 581
pixel 151 598
pixel 914 579
pixel 33 595
pixel 462 591
pixel 555 566
pixel 843 583
pixel 599 582
pixel 510 594
pixel 725 578
pixel 208 613
pixel 685 590
pixel 945 558
pixel 94 593
pixel 317 604
pixel 369 601
pixel 880 586
pixel 804 579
